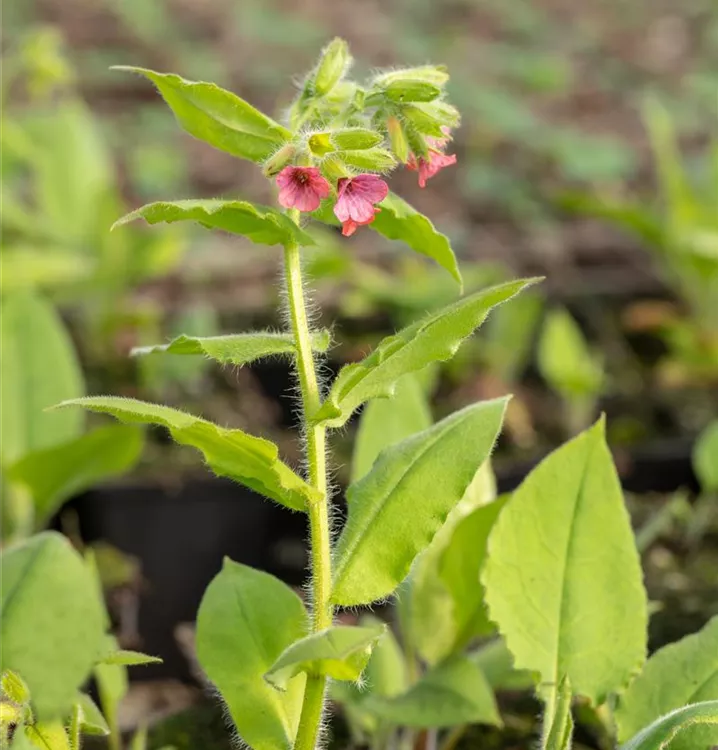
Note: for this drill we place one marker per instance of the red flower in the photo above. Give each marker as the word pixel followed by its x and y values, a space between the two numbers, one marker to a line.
pixel 356 200
pixel 436 159
pixel 302 188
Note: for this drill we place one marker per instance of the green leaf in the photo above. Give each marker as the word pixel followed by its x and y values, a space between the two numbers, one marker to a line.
pixel 38 368
pixel 112 686
pixel 55 474
pixel 246 620
pixel 218 117
pixel 229 453
pixel 391 501
pixel 497 664
pixel 436 338
pixel 52 620
pixel 340 652
pixel 235 349
pixel 355 138
pixel 570 601
pixel 679 674
pixel 48 735
pixel 261 224
pixel 561 731
pixel 91 719
pixel 385 422
pixel 129 658
pixel 454 692
pixel 386 672
pixel 662 733
pixel 565 360
pixel 397 220
pixel 705 458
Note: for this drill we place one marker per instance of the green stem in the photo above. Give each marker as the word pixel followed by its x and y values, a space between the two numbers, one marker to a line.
pixel 74 728
pixel 315 446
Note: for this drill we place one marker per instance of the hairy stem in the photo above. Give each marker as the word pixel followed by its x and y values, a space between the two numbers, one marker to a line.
pixel 315 446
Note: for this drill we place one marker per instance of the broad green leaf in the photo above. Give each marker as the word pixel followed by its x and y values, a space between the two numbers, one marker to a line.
pixel 90 718
pixel 454 692
pixel 340 652
pixel 218 117
pixel 52 620
pixel 569 601
pixel 229 453
pixel 565 360
pixel 705 458
pixel 561 731
pixel 245 622
pixel 129 658
pixel 235 349
pixel 38 368
pixel 397 220
pixel 261 224
pixel 385 422
pixel 662 734
pixel 497 664
pixel 392 503
pixel 679 674
pixel 55 474
pixel 436 338
pixel 386 672
pixel 48 735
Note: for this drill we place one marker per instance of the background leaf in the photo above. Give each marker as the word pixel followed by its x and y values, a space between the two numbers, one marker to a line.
pixel 38 368
pixel 570 601
pixel 246 620
pixel 391 502
pixel 55 474
pixel 229 453
pixel 436 338
pixel 679 674
pixel 340 652
pixel 218 117
pixel 52 622
pixel 261 224
pixel 91 720
pixel 705 458
pixel 662 733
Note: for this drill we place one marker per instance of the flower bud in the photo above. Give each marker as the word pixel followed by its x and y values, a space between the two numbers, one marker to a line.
pixel 417 142
pixel 332 65
pixel 411 90
pixel 436 74
pixel 430 117
pixel 356 138
pixel 399 144
pixel 370 159
pixel 279 159
pixel 320 144
pixel 333 168
pixel 14 689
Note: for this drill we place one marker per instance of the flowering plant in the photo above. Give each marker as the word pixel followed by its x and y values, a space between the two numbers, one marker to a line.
pixel 568 600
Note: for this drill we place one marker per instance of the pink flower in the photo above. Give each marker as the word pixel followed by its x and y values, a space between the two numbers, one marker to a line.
pixel 356 201
pixel 436 159
pixel 302 188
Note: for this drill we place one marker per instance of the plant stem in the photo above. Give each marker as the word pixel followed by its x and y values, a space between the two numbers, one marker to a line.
pixel 315 446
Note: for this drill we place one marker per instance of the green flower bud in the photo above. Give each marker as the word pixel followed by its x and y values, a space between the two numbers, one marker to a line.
pixel 320 143
pixel 370 159
pixel 417 142
pixel 435 74
pixel 333 168
pixel 411 90
pixel 430 117
pixel 397 138
pixel 13 688
pixel 356 138
pixel 333 63
pixel 279 159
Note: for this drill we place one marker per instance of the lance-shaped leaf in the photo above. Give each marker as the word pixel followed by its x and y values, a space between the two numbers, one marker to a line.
pixel 235 349
pixel 218 117
pixel 246 620
pixel 89 716
pixel 406 497
pixel 261 224
pixel 55 474
pixel 129 658
pixel 454 692
pixel 679 674
pixel 436 338
pixel 340 652
pixel 569 602
pixel 52 624
pixel 664 732
pixel 229 453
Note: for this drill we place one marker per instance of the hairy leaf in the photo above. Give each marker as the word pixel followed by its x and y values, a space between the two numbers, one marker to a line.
pixel 392 502
pixel 340 652
pixel 235 349
pixel 91 719
pixel 246 621
pixel 570 602
pixel 218 117
pixel 47 735
pixel 55 474
pixel 261 224
pixel 52 620
pixel 662 734
pixel 436 338
pixel 679 674
pixel 229 453
pixel 129 658
pixel 386 672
